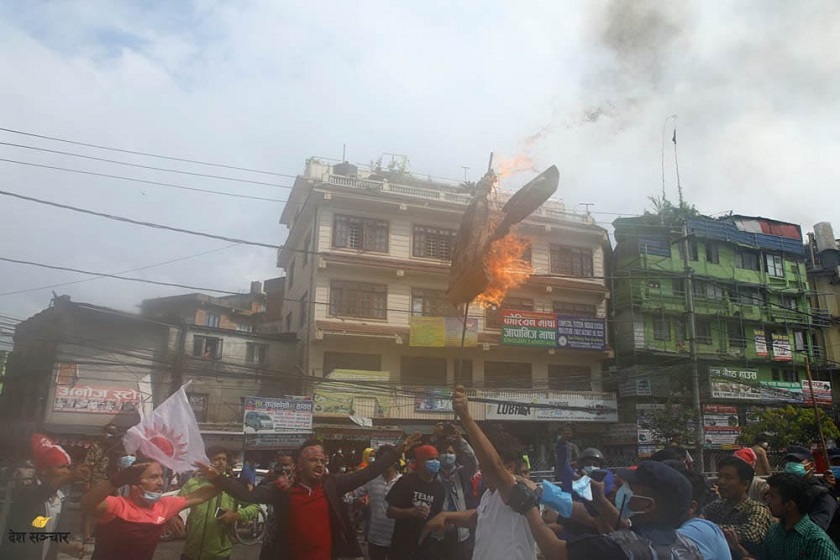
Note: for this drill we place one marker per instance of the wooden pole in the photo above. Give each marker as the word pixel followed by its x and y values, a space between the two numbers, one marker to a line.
pixel 817 411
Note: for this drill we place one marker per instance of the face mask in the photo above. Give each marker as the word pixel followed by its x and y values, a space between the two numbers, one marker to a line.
pixel 371 459
pixel 589 468
pixel 151 497
pixel 432 466
pixel 127 461
pixel 622 500
pixel 836 472
pixel 797 469
pixel 447 460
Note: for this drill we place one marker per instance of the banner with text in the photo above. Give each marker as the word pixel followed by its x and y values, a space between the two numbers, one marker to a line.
pixel 277 416
pixel 822 393
pixel 528 328
pixel 781 347
pixel 94 399
pixel 760 343
pixel 581 333
pixel 577 407
pixel 442 332
pixel 720 426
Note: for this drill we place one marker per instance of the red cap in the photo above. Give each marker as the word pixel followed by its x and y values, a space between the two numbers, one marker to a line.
pixel 747 455
pixel 425 452
pixel 46 454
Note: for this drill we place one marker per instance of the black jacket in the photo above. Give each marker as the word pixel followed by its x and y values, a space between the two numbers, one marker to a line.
pixel 27 504
pixel 276 543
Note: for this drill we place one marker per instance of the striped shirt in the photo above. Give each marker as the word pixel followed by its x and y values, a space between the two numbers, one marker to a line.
pixel 805 540
pixel 748 518
pixel 381 528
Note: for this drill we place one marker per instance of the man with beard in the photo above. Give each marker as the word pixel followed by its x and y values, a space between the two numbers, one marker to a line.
pixel 309 521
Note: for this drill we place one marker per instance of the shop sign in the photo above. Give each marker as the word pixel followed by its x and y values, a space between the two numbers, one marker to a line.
pixel 433 400
pixel 277 416
pixel 580 333
pixel 720 426
pixel 288 441
pixel 760 343
pixel 527 328
pixel 575 407
pixel 822 393
pixel 442 332
pixel 781 347
pixel 91 399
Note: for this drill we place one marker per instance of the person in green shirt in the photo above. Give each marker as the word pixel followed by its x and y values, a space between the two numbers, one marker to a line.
pixel 794 535
pixel 208 535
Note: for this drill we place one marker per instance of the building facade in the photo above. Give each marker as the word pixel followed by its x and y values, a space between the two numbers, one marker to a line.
pixel 823 254
pixel 754 328
pixel 367 260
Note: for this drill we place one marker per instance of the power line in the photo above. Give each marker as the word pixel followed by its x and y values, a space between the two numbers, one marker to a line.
pixel 137 165
pixel 117 277
pixel 145 181
pixel 138 222
pixel 147 154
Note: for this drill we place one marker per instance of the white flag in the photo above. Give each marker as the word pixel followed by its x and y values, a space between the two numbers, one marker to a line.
pixel 169 435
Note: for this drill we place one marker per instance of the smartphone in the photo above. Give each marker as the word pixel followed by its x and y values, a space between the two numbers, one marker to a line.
pixel 598 475
pixel 220 512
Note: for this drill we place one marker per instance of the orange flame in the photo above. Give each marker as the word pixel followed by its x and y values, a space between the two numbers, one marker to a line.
pixel 516 164
pixel 507 268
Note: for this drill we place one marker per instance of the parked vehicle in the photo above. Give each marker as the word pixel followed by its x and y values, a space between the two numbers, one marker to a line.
pixel 258 422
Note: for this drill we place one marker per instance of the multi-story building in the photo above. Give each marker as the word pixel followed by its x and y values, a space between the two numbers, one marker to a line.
pixel 753 314
pixel 823 253
pixel 367 259
pixel 218 348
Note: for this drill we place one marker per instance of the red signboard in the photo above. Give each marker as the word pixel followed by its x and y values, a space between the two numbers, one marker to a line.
pixel 96 399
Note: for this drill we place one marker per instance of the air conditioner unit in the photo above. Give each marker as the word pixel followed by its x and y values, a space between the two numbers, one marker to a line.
pixel 485 346
pixel 327 196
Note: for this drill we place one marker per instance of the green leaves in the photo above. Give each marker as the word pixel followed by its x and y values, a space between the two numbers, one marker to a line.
pixel 789 425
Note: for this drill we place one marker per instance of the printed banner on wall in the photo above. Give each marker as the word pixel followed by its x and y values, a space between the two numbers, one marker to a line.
pixel 720 426
pixel 90 399
pixel 781 348
pixel 581 333
pixel 277 416
pixel 822 393
pixel 433 400
pixel 528 328
pixel 442 332
pixel 760 343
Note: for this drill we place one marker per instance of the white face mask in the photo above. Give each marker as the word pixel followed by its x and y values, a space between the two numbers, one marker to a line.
pixel 589 468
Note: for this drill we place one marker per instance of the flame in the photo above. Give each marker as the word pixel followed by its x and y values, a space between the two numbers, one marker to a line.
pixel 516 164
pixel 507 268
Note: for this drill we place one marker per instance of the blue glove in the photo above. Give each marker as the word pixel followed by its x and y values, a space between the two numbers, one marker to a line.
pixel 554 497
pixel 582 488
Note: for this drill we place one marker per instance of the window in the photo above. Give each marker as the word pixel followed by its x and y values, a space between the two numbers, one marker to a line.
pixel 747 260
pixel 712 253
pixel 699 289
pixel 431 303
pixel 571 261
pixel 577 309
pixel 358 299
pixel 198 402
pixel 307 243
pixel 363 234
pixel 785 374
pixel 302 310
pixel 692 250
pixel 433 243
pixel 493 317
pixel 798 340
pixel 703 330
pixel 256 353
pixel 569 378
pixel 678 286
pixel 507 375
pixel 350 360
pixel 291 273
pixel 737 337
pixel 715 292
pixel 242 327
pixel 206 347
pixel 749 296
pixel 661 328
pixel 789 302
pixel 775 265
pixel 527 255
pixel 212 320
pixel 427 372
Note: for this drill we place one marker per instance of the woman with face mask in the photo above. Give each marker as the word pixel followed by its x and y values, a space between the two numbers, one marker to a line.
pixel 129 527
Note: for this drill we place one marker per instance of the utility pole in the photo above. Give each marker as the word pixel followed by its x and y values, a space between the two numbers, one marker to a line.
pixel 692 346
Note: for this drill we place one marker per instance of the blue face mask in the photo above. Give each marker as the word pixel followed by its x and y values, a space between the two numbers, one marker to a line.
pixel 622 500
pixel 152 497
pixel 589 468
pixel 797 469
pixel 432 466
pixel 447 460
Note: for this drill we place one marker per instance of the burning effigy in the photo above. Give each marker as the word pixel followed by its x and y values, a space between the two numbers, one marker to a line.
pixel 487 258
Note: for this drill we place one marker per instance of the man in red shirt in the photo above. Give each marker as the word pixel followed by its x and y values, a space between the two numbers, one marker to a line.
pixel 309 521
pixel 130 527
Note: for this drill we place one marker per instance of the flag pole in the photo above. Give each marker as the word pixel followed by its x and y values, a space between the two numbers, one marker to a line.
pixel 816 409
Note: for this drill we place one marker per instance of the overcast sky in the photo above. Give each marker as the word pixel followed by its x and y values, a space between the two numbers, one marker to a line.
pixel 585 85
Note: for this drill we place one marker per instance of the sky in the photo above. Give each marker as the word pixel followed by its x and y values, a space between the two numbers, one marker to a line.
pixel 589 86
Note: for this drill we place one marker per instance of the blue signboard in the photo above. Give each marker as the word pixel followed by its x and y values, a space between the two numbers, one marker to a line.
pixel 581 333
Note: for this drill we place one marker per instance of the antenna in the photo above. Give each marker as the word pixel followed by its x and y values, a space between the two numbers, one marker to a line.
pixel 665 122
pixel 465 168
pixel 677 164
pixel 587 204
pixel 344 152
pixel 490 163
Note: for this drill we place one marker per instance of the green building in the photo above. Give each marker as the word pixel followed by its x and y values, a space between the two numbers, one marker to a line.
pixel 753 318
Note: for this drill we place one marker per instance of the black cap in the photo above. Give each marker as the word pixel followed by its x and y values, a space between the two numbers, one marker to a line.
pixel 798 453
pixel 673 490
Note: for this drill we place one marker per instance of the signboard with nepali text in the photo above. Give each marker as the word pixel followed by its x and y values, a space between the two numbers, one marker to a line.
pixel 528 328
pixel 781 347
pixel 720 426
pixel 277 416
pixel 822 392
pixel 442 332
pixel 94 399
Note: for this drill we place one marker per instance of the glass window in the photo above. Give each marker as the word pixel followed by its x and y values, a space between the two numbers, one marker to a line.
pixel 571 261
pixel 363 234
pixel 207 347
pixel 256 353
pixel 747 260
pixel 577 309
pixel 358 299
pixel 775 265
pixel 704 332
pixel 712 253
pixel 661 328
pixel 431 303
pixel 433 243
pixel 212 320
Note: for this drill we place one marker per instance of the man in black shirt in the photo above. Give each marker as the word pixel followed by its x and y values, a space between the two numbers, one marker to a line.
pixel 414 499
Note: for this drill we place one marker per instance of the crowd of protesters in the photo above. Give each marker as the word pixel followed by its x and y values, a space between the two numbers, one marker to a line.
pixel 435 497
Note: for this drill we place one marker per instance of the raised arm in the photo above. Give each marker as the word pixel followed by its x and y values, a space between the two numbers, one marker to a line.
pixel 93 502
pixel 466 456
pixel 348 482
pixel 201 495
pixel 551 547
pixel 262 494
pixel 492 468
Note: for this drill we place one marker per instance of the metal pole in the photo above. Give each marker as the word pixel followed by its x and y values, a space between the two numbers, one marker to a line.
pixel 816 408
pixel 692 345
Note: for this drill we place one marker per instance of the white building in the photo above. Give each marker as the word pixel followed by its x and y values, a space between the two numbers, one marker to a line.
pixel 369 250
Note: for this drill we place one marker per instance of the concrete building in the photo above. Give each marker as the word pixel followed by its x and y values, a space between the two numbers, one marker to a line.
pixel 753 317
pixel 77 366
pixel 368 254
pixel 823 254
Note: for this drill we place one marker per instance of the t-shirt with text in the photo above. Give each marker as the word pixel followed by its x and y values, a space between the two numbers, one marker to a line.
pixel 408 492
